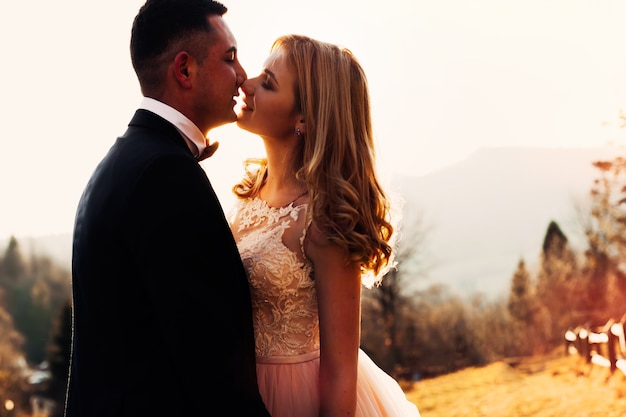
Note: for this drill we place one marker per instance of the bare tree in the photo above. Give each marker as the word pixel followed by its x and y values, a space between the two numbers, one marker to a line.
pixel 605 258
pixel 389 309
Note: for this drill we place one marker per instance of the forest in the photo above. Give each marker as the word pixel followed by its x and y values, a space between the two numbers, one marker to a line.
pixel 412 334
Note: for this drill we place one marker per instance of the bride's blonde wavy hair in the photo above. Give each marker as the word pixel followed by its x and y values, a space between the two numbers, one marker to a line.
pixel 337 156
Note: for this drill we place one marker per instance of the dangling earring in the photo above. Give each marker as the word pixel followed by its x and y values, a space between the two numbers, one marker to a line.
pixel 298 131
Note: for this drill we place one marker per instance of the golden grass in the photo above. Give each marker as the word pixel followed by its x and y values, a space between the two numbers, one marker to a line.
pixel 551 386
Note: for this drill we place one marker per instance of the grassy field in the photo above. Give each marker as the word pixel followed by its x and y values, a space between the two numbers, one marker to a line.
pixel 551 386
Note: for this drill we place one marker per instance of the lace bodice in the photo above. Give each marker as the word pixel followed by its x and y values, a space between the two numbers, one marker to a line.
pixel 284 303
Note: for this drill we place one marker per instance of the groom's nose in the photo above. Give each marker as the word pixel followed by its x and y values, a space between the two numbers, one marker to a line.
pixel 241 78
pixel 247 87
pixel 241 73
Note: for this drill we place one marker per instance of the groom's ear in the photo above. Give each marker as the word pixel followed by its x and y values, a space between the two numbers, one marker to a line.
pixel 181 65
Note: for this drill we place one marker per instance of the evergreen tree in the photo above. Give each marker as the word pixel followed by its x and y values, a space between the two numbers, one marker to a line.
pixel 13 385
pixel 521 298
pixel 34 292
pixel 557 283
pixel 523 309
pixel 58 356
pixel 12 264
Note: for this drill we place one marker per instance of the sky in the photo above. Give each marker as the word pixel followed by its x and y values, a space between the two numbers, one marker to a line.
pixel 446 78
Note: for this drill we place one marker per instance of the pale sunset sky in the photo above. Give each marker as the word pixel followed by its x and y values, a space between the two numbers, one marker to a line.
pixel 447 77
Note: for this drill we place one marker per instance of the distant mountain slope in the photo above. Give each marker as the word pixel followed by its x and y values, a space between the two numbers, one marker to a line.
pixel 482 215
pixel 486 213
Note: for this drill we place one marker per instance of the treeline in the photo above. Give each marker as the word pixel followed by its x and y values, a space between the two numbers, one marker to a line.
pixel 416 334
pixel 35 328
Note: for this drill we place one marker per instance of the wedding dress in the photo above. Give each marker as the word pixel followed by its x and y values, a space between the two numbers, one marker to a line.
pixel 286 327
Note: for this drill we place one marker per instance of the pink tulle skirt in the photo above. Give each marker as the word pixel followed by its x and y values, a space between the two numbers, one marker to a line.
pixel 289 388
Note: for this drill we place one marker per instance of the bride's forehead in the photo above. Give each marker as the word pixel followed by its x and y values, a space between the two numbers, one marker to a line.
pixel 275 59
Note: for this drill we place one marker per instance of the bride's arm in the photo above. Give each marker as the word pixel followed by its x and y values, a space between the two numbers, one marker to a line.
pixel 338 286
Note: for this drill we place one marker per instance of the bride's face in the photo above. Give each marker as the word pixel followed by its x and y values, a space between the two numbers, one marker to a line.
pixel 269 107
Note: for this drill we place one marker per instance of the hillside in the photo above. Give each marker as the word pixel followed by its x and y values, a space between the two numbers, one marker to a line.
pixel 485 213
pixel 554 386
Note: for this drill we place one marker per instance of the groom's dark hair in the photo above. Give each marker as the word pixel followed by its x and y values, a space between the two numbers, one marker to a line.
pixel 162 28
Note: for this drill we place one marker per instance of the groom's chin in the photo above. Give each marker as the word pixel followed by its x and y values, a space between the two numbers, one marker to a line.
pixel 232 118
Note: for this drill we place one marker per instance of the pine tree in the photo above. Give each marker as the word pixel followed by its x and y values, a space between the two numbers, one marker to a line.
pixel 523 309
pixel 557 283
pixel 12 264
pixel 13 385
pixel 58 356
pixel 521 298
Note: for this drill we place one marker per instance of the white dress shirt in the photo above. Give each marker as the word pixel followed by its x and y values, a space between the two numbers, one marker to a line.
pixel 196 140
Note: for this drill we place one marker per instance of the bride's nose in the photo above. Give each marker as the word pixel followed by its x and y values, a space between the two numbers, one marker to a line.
pixel 247 87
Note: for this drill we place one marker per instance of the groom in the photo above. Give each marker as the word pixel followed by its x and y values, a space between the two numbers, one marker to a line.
pixel 162 319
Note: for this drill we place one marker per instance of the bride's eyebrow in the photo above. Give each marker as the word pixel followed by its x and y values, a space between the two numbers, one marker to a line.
pixel 271 74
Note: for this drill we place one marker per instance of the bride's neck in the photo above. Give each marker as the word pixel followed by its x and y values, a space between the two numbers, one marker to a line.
pixel 281 184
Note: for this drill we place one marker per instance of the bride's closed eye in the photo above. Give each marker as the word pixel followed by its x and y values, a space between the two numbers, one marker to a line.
pixel 268 80
pixel 267 83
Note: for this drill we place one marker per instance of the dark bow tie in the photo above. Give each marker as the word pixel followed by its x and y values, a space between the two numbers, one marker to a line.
pixel 208 151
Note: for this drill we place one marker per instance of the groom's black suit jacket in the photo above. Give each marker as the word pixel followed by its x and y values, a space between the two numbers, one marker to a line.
pixel 162 312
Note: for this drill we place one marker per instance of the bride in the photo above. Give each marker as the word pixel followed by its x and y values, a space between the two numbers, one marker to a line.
pixel 312 226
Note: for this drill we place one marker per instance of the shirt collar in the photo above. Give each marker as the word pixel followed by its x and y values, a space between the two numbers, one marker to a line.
pixel 195 139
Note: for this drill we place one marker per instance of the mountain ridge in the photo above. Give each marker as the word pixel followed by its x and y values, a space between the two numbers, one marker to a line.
pixel 489 211
pixel 478 217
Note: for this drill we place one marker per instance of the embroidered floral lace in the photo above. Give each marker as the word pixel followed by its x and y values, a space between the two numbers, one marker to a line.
pixel 270 241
